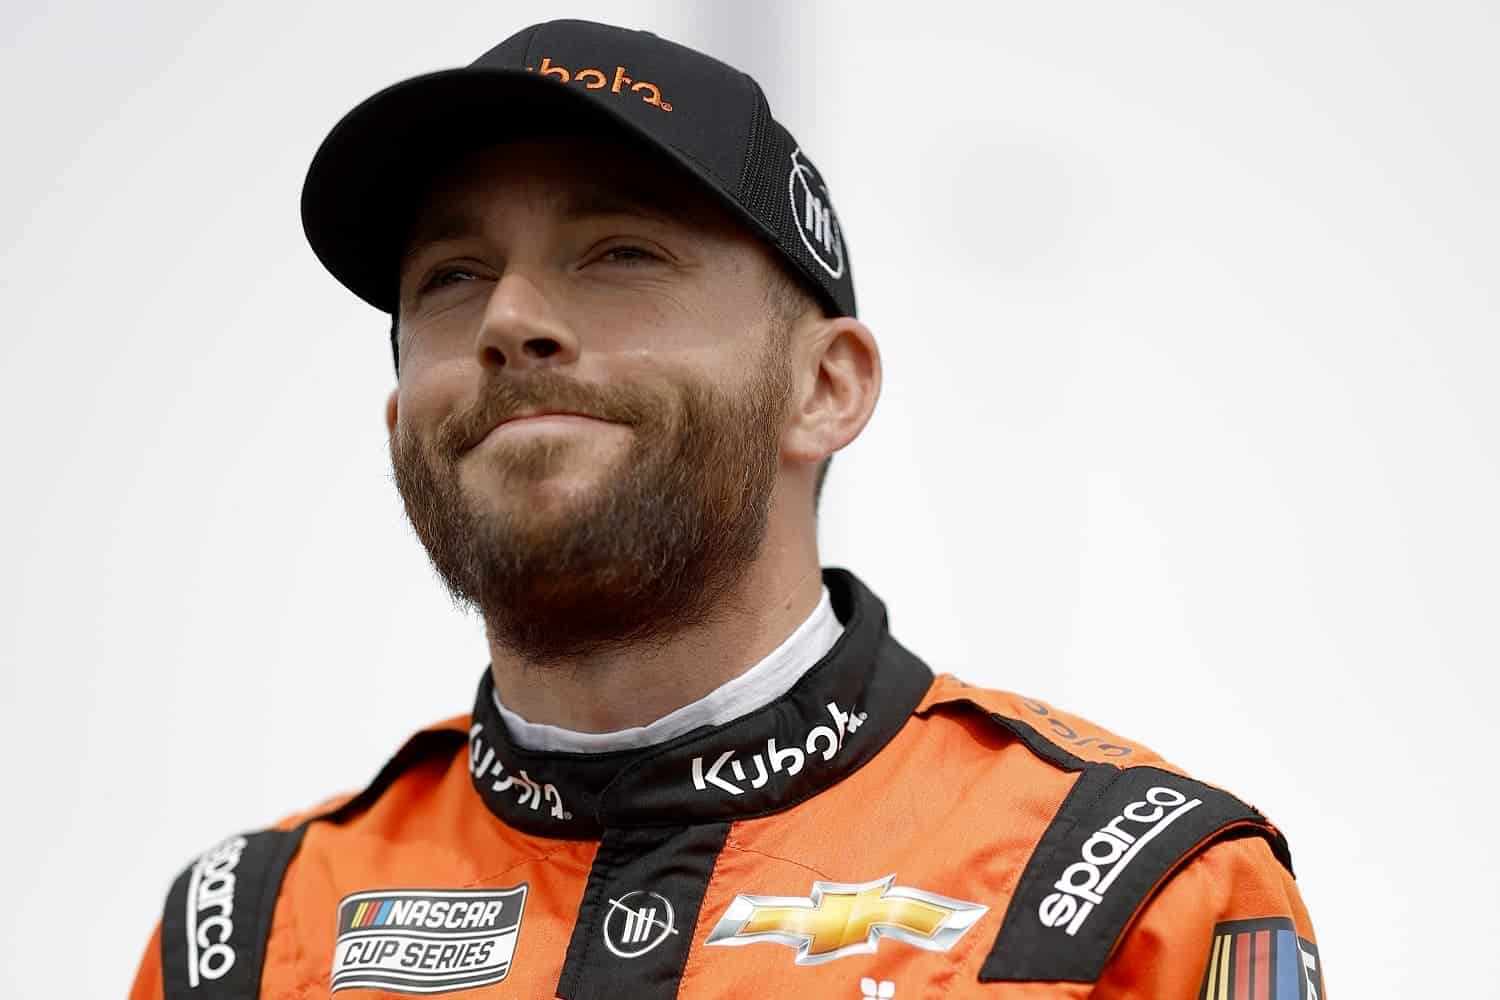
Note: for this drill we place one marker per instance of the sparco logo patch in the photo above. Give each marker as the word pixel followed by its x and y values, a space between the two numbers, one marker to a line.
pixel 812 210
pixel 727 773
pixel 210 911
pixel 1117 835
pixel 426 940
pixel 1108 853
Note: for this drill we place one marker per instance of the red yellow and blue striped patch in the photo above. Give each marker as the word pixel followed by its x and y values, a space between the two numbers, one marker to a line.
pixel 368 913
pixel 1261 960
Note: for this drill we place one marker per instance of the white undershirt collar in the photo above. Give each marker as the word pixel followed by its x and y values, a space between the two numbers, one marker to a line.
pixel 762 684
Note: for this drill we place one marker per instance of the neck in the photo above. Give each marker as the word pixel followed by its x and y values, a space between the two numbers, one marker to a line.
pixel 634 685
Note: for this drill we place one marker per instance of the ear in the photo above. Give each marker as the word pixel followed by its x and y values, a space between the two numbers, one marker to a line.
pixel 390 412
pixel 837 384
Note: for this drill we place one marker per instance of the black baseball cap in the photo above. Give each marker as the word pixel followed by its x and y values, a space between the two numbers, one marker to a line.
pixel 368 177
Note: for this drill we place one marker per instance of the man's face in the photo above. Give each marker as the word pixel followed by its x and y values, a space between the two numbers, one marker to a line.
pixel 579 275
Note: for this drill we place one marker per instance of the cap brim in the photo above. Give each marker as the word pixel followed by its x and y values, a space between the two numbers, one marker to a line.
pixel 367 178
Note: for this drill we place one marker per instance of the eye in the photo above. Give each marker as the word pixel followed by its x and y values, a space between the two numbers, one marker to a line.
pixel 440 278
pixel 628 254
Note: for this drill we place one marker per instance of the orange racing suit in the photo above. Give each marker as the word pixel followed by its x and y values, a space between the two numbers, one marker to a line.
pixel 875 832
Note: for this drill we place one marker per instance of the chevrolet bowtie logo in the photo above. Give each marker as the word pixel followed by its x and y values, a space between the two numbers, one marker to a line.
pixel 847 919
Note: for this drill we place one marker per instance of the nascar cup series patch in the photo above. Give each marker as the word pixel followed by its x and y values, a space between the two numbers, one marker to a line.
pixel 426 940
pixel 1261 960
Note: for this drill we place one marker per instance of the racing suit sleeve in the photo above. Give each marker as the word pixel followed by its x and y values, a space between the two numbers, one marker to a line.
pixel 259 867
pixel 148 984
pixel 1229 924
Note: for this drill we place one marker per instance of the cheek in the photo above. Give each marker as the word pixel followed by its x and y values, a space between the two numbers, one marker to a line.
pixel 692 317
pixel 433 341
pixel 428 395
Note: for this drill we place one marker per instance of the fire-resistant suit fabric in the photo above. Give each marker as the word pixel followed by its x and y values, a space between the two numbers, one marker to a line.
pixel 875 832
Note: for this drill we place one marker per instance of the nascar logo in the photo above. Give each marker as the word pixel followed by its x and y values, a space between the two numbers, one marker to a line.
pixel 1261 960
pixel 426 940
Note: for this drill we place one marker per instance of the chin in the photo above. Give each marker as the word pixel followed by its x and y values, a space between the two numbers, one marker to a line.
pixel 557 493
pixel 534 494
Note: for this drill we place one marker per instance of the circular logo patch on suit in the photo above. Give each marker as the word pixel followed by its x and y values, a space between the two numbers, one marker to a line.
pixel 637 922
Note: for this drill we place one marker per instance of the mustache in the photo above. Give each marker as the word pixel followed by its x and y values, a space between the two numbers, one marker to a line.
pixel 504 397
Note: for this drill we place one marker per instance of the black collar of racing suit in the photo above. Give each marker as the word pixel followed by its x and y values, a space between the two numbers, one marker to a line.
pixel 834 720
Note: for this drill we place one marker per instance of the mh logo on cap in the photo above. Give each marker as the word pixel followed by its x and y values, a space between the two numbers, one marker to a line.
pixel 595 79
pixel 813 211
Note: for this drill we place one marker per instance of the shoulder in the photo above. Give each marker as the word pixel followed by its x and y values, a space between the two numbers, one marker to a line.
pixel 1053 735
pixel 1126 823
pixel 1110 774
pixel 218 914
pixel 427 760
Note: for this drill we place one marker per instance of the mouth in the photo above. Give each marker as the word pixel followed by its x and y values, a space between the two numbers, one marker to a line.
pixel 535 419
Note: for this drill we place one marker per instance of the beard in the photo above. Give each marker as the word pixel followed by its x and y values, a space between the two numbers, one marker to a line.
pixel 651 547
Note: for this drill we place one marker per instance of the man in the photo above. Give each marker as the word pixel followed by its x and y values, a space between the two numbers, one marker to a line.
pixel 698 765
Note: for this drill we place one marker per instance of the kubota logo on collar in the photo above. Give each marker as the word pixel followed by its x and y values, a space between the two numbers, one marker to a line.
pixel 485 763
pixel 847 919
pixel 828 739
pixel 597 79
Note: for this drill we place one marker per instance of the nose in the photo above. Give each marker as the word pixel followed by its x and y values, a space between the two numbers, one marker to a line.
pixel 520 330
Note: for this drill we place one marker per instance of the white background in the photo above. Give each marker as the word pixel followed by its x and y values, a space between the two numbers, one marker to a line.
pixel 1190 329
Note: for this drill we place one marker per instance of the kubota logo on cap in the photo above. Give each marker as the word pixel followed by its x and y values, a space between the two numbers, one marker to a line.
pixel 597 79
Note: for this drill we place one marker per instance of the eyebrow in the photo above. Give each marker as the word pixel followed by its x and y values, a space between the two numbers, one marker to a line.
pixel 591 202
pixel 641 202
pixel 460 224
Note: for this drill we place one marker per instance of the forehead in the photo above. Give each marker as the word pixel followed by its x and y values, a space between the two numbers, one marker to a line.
pixel 567 177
